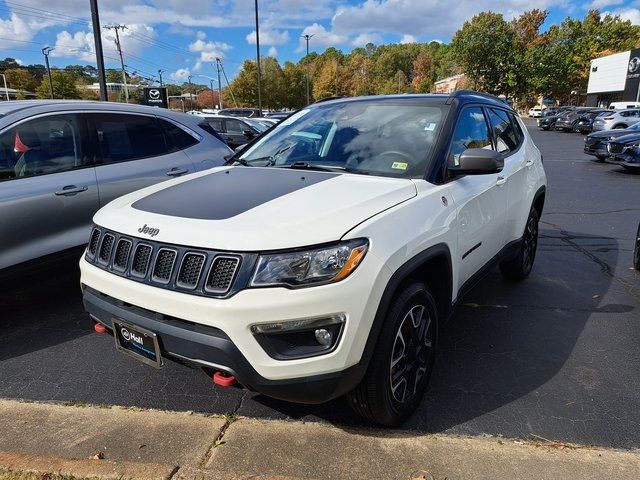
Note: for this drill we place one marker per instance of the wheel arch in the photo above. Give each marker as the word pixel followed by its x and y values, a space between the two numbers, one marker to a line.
pixel 538 200
pixel 433 267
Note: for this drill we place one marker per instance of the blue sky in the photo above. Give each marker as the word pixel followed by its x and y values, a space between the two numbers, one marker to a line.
pixel 184 37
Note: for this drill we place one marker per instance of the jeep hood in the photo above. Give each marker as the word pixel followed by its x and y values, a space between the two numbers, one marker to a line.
pixel 254 208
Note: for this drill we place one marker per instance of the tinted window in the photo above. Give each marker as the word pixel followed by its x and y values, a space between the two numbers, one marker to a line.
pixel 216 124
pixel 504 134
pixel 236 126
pixel 471 131
pixel 128 137
pixel 516 128
pixel 177 138
pixel 41 146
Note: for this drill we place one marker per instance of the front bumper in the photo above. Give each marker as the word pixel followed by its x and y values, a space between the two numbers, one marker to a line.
pixel 598 149
pixel 357 297
pixel 210 348
pixel 624 159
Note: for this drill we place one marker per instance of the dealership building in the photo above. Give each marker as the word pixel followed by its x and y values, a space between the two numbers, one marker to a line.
pixel 614 78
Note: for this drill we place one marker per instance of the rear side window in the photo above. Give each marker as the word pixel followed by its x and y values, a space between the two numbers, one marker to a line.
pixel 41 146
pixel 471 131
pixel 128 137
pixel 216 124
pixel 236 126
pixel 504 130
pixel 177 138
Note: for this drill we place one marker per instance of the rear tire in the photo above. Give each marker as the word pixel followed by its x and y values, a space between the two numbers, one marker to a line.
pixel 519 267
pixel 402 361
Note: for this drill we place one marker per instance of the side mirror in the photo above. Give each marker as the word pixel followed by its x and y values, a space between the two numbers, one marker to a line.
pixel 478 161
pixel 248 134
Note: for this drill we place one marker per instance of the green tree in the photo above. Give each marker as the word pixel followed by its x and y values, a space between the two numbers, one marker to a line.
pixel 295 86
pixel 63 86
pixel 486 49
pixel 20 79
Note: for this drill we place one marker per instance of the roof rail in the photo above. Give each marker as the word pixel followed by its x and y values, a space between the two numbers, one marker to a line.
pixel 459 93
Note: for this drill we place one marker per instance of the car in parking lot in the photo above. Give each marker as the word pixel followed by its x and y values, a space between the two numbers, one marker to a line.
pixel 236 131
pixel 536 112
pixel 568 120
pixel 585 122
pixel 548 122
pixel 625 151
pixel 286 271
pixel 596 143
pixel 60 161
pixel 241 112
pixel 618 119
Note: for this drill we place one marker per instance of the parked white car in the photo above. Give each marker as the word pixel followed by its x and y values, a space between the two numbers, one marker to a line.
pixel 535 112
pixel 325 257
pixel 617 119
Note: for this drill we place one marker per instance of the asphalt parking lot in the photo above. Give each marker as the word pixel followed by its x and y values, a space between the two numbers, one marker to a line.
pixel 555 357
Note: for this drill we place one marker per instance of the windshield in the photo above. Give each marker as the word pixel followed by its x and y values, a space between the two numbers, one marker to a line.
pixel 390 137
pixel 257 125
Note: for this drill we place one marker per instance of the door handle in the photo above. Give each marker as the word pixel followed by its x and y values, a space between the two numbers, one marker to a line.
pixel 176 172
pixel 501 181
pixel 70 190
pixel 528 163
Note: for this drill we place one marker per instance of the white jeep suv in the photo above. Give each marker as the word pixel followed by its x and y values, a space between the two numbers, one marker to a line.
pixel 325 257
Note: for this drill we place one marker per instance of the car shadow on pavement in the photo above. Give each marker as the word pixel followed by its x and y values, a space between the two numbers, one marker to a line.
pixel 41 310
pixel 504 344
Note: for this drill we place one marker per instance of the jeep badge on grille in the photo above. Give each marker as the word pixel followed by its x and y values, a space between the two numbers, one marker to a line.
pixel 152 232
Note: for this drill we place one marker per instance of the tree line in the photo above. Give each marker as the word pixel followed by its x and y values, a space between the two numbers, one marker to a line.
pixel 514 58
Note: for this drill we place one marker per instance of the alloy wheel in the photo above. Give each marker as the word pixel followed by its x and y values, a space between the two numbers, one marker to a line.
pixel 530 243
pixel 411 353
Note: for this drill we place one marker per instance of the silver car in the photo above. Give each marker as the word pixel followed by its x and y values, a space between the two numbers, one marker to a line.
pixel 617 119
pixel 60 161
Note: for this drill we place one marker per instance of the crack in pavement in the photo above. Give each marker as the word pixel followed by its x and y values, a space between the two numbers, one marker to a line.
pixel 550 308
pixel 605 268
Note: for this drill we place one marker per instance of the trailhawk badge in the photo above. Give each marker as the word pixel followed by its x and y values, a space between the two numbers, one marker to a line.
pixel 152 232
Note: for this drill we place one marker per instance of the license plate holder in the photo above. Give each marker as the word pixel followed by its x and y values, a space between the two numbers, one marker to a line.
pixel 137 342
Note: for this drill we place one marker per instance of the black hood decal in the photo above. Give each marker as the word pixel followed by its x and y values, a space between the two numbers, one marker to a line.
pixel 228 193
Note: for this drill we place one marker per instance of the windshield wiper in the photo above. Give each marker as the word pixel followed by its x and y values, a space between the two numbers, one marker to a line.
pixel 310 166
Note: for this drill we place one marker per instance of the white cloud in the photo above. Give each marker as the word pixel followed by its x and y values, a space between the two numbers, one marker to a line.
pixel 364 38
pixel 604 3
pixel 269 36
pixel 181 75
pixel 632 14
pixel 81 44
pixel 273 52
pixel 321 38
pixel 406 38
pixel 16 28
pixel 208 51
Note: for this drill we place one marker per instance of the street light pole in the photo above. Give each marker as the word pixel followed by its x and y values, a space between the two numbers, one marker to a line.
pixel 307 37
pixel 190 93
pixel 258 59
pixel 6 90
pixel 160 72
pixel 46 51
pixel 219 83
pixel 97 40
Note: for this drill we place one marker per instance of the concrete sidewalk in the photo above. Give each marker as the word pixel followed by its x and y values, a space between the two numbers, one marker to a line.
pixel 116 442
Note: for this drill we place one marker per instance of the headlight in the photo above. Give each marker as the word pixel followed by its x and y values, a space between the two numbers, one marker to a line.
pixel 310 267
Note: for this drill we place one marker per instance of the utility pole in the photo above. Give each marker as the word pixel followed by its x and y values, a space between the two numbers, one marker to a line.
pixel 160 72
pixel 219 83
pixel 228 85
pixel 258 59
pixel 124 75
pixel 97 39
pixel 46 51
pixel 190 93
pixel 307 37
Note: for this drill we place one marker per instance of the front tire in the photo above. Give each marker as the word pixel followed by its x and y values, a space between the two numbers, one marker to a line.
pixel 402 361
pixel 519 267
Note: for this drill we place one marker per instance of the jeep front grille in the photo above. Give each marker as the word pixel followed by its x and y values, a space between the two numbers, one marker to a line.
pixel 141 260
pixel 202 272
pixel 191 269
pixel 105 248
pixel 223 269
pixel 616 147
pixel 164 265
pixel 122 254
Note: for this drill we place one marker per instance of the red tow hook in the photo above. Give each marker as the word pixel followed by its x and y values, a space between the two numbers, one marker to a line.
pixel 223 379
pixel 99 328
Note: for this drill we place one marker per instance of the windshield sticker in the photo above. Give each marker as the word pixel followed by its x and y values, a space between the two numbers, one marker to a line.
pixel 430 127
pixel 399 165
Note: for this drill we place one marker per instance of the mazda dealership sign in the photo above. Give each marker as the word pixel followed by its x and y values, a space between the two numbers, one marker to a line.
pixel 156 97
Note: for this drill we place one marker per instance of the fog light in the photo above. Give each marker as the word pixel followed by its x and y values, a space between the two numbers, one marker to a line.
pixel 300 338
pixel 323 337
